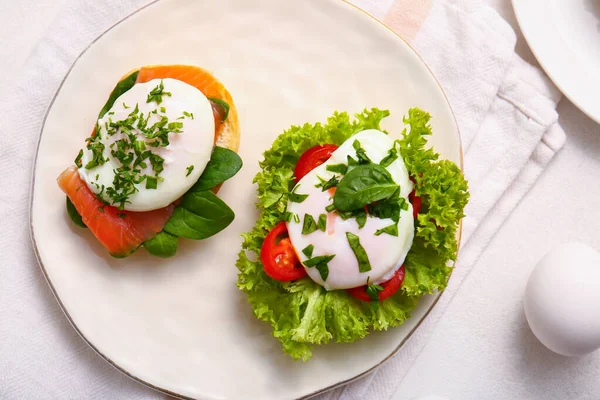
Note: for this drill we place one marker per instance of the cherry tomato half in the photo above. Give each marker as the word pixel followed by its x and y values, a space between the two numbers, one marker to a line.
pixel 312 158
pixel 278 256
pixel 416 203
pixel 389 287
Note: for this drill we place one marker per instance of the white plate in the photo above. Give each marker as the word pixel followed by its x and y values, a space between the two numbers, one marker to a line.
pixel 180 325
pixel 564 36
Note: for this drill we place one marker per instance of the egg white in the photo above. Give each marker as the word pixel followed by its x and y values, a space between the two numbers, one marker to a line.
pixel 190 147
pixel 386 252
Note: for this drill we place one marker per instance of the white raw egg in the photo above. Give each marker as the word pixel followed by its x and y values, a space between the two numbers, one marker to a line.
pixel 562 300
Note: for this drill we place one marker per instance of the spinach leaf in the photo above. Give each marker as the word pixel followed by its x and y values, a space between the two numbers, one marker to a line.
pixel 361 254
pixel 318 260
pixel 363 185
pixel 199 216
pixel 223 105
pixel 74 214
pixel 390 230
pixel 223 164
pixel 309 225
pixel 308 250
pixel 121 88
pixel 323 269
pixel 322 222
pixel 162 245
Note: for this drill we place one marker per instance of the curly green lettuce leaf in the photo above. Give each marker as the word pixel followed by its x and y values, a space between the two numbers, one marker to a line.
pixel 302 313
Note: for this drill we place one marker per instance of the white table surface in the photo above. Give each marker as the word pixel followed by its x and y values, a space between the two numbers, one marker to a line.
pixel 482 347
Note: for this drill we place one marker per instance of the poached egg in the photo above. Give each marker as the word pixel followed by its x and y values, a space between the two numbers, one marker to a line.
pixel 184 158
pixel 386 253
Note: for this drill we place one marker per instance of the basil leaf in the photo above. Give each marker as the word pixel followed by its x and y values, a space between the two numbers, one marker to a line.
pixel 333 182
pixel 121 88
pixel 361 217
pixel 322 223
pixel 323 270
pixel 199 216
pixel 223 104
pixel 74 214
pixel 339 168
pixel 363 185
pixel 360 153
pixel 309 225
pixel 318 260
pixel 390 230
pixel 389 208
pixel 361 255
pixel 373 291
pixel 223 164
pixel 297 198
pixel 162 245
pixel 390 158
pixel 308 250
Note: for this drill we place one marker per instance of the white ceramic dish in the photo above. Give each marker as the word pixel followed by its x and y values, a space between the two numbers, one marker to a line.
pixel 180 325
pixel 564 36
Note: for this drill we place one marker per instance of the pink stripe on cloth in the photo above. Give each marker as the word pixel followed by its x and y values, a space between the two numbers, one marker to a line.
pixel 405 17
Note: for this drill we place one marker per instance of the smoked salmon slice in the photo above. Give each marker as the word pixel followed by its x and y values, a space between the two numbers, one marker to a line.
pixel 120 231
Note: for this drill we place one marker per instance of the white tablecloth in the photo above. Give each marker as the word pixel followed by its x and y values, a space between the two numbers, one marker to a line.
pixel 482 347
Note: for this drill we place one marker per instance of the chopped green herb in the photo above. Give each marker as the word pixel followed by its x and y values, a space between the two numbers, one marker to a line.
pixel 339 168
pixel 333 182
pixel 287 216
pixel 391 156
pixel 296 198
pixel 361 217
pixel 318 260
pixel 373 292
pixel 125 105
pixel 224 106
pixel 309 225
pixel 360 153
pixel 101 209
pixel 188 114
pixel 361 255
pixel 308 250
pixel 157 94
pixel 121 215
pixel 322 223
pixel 296 218
pixel 151 182
pixel 351 161
pixel 330 208
pixel 163 110
pixel 78 159
pixel 97 149
pixel 390 230
pixel 189 170
pixel 323 270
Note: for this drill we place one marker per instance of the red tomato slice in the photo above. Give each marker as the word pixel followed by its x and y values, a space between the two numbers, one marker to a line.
pixel 312 158
pixel 389 287
pixel 279 257
pixel 416 203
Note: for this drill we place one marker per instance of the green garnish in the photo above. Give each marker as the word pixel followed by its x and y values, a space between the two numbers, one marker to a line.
pixel 361 217
pixel 323 270
pixel 363 185
pixel 308 250
pixel 157 94
pixel 311 262
pixel 360 153
pixel 223 104
pixel 339 168
pixel 287 216
pixel 361 255
pixel 330 208
pixel 121 215
pixel 163 110
pixel 78 158
pixel 295 197
pixel 188 114
pixel 189 170
pixel 322 223
pixel 151 182
pixel 333 182
pixel 309 225
pixel 391 156
pixel 101 209
pixel 390 230
pixel 125 106
pixel 296 218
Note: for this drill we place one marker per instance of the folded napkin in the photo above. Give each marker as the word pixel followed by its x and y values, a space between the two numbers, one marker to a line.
pixel 505 112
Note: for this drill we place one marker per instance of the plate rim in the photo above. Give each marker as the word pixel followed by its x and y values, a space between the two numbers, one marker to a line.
pixel 525 29
pixel 130 374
